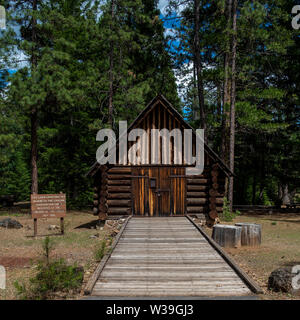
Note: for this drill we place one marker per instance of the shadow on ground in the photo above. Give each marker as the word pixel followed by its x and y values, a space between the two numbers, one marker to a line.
pixel 91 225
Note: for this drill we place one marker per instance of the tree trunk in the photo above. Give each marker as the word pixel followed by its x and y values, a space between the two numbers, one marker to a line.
pixel 195 100
pixel 34 112
pixel 198 66
pixel 111 76
pixel 254 189
pixel 226 92
pixel 286 196
pixel 232 104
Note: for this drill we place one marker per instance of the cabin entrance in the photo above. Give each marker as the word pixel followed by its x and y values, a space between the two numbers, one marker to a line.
pixel 158 191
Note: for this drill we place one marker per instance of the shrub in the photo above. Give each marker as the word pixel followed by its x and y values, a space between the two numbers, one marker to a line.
pixel 52 277
pixel 228 215
pixel 100 251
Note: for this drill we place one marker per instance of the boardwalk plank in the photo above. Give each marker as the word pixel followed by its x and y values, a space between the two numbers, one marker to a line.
pixel 166 257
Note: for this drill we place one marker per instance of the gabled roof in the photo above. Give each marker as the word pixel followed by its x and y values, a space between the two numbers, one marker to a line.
pixel 160 98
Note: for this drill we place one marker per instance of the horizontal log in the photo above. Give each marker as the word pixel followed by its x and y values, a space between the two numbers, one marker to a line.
pixel 119 170
pixel 104 176
pixel 102 201
pixel 214 179
pixel 219 200
pixel 118 188
pixel 213 193
pixel 194 209
pixel 95 210
pixel 119 203
pixel 196 188
pixel 197 181
pixel 214 173
pixel 195 194
pixel 95 203
pixel 119 210
pixel 119 182
pixel 215 186
pixel 213 214
pixel 119 196
pixel 103 187
pixel 102 216
pixel 95 195
pixel 102 208
pixel 196 201
pixel 118 176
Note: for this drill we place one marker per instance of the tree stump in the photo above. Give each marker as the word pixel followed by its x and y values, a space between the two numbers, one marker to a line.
pixel 251 234
pixel 227 236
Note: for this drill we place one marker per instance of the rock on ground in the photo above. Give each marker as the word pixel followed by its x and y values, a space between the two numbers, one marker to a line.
pixel 280 280
pixel 10 223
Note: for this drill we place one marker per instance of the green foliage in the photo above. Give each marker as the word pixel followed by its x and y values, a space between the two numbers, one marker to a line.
pixel 52 277
pixel 69 86
pixel 228 215
pixel 47 247
pixel 100 251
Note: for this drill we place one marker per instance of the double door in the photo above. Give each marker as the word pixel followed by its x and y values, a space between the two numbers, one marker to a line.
pixel 158 191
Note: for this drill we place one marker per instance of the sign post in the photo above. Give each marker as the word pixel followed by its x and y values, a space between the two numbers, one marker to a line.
pixel 48 206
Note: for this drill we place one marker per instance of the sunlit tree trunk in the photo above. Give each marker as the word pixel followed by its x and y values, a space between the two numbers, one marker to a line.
pixel 232 102
pixel 34 111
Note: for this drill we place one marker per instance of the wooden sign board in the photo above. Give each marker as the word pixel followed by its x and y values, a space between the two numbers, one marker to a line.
pixel 48 205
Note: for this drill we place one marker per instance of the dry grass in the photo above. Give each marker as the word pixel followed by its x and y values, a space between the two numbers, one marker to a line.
pixel 20 251
pixel 280 247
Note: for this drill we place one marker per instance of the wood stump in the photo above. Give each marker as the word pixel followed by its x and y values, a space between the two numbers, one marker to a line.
pixel 251 234
pixel 227 236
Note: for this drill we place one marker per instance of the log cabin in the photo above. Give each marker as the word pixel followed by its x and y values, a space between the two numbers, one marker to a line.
pixel 145 189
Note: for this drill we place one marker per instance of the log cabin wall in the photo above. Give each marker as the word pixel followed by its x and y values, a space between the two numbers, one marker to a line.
pixel 119 196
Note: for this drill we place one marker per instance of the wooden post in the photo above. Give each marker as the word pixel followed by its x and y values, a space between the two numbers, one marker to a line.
pixel 62 226
pixel 35 227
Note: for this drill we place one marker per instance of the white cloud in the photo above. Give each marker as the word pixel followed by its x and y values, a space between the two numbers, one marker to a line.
pixel 162 5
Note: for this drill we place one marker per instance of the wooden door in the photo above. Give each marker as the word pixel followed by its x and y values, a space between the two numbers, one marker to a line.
pixel 139 191
pixel 158 191
pixel 178 191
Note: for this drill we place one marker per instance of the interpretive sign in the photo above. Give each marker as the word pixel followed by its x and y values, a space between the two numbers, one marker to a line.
pixel 48 206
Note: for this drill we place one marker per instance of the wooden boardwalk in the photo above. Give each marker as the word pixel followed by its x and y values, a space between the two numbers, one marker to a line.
pixel 166 257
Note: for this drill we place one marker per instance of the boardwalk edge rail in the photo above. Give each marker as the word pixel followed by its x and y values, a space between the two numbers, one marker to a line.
pixel 91 283
pixel 252 285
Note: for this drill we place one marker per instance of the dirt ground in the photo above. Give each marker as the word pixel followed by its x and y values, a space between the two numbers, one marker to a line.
pixel 280 247
pixel 20 251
